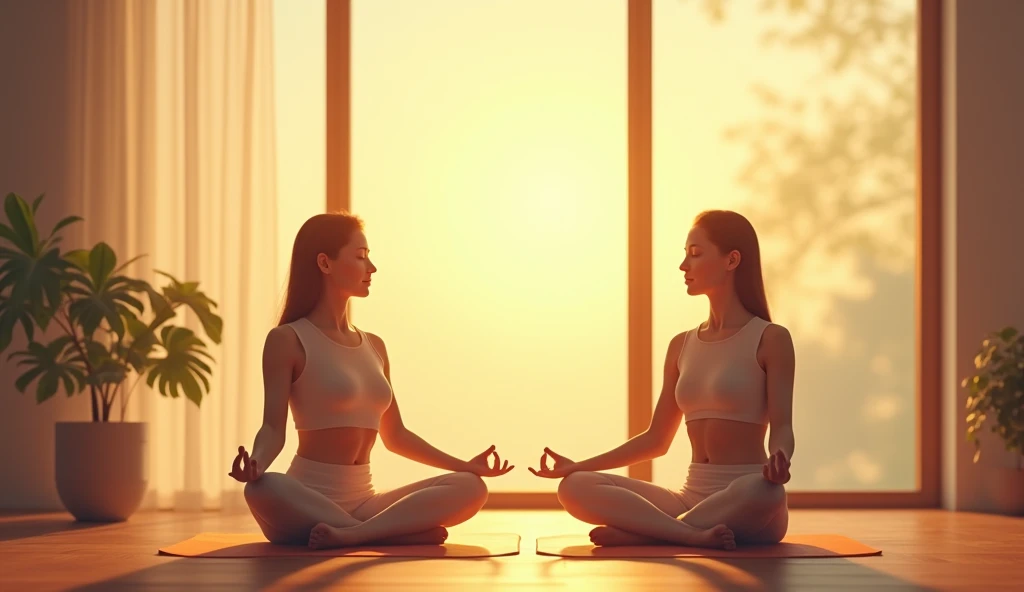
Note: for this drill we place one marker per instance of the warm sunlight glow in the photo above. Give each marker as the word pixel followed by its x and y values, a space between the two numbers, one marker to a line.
pixel 489 161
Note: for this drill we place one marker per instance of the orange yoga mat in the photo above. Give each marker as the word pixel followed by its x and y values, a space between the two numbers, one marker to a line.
pixel 233 545
pixel 796 545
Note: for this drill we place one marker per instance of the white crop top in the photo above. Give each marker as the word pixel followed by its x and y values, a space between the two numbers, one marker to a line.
pixel 340 386
pixel 722 379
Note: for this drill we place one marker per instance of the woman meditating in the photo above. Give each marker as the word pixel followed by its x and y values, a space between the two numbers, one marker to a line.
pixel 336 380
pixel 730 378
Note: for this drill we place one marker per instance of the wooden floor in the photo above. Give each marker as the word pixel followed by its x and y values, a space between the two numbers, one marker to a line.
pixel 922 550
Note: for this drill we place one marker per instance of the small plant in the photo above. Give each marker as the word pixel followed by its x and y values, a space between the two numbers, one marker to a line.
pixel 107 335
pixel 997 390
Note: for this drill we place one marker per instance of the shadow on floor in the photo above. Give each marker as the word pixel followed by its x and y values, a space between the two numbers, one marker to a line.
pixel 290 573
pixel 738 574
pixel 25 526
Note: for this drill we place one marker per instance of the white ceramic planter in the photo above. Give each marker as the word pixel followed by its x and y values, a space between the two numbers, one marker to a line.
pixel 101 468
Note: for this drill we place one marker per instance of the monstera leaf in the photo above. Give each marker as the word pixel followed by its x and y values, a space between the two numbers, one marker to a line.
pixel 11 314
pixel 182 369
pixel 99 294
pixel 136 352
pixel 188 293
pixel 53 365
pixel 32 271
pixel 34 284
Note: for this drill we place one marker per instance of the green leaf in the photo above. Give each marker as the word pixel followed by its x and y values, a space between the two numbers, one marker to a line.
pixel 46 388
pixel 36 202
pixel 143 341
pixel 106 369
pixel 101 263
pixel 54 239
pixel 53 365
pixel 162 308
pixel 25 379
pixel 188 293
pixel 65 222
pixel 997 391
pixel 111 302
pixel 35 290
pixel 182 369
pixel 7 233
pixel 10 315
pixel 78 257
pixel 23 223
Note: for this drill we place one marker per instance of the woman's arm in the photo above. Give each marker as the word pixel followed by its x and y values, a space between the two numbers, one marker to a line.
pixel 653 442
pixel 401 440
pixel 279 356
pixel 657 438
pixel 780 367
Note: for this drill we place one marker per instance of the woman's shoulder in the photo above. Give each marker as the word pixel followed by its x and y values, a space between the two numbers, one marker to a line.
pixel 375 341
pixel 283 339
pixel 776 337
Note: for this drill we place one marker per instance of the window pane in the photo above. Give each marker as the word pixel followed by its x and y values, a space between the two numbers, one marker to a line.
pixel 489 162
pixel 803 119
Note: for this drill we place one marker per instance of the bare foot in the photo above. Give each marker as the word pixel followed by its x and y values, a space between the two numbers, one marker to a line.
pixel 609 536
pixel 325 536
pixel 435 536
pixel 716 537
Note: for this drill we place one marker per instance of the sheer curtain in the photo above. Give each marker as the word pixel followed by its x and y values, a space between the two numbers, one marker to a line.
pixel 173 151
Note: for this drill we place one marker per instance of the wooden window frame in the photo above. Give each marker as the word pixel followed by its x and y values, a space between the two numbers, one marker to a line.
pixel 640 355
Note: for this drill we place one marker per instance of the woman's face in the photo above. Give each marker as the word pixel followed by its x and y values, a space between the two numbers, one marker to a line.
pixel 706 268
pixel 350 272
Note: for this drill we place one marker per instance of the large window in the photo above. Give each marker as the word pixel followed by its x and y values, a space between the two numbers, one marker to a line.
pixel 803 118
pixel 528 172
pixel 489 161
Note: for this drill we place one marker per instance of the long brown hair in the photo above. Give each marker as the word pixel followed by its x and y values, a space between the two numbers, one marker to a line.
pixel 730 231
pixel 323 233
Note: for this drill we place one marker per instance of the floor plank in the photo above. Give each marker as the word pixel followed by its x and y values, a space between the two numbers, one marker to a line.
pixel 922 550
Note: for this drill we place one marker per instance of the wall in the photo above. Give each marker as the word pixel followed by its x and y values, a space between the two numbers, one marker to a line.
pixel 33 129
pixel 983 218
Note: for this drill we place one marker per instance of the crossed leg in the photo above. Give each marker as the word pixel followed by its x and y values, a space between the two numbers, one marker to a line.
pixel 287 511
pixel 750 510
pixel 623 505
pixel 423 506
pixel 753 507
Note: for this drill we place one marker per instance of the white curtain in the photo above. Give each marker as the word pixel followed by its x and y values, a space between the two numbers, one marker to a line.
pixel 174 157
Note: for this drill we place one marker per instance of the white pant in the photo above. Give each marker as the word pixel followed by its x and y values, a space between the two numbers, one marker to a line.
pixel 704 479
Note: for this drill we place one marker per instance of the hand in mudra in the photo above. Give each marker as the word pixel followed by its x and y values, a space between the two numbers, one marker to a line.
pixel 563 466
pixel 776 469
pixel 245 469
pixel 481 464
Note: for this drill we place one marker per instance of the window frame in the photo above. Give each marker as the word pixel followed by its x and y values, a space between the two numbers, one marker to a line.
pixel 640 314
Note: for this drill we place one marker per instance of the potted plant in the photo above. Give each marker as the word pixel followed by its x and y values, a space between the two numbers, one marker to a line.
pixel 996 395
pixel 89 331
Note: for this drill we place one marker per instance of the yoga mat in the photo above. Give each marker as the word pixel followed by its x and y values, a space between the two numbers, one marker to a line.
pixel 233 545
pixel 796 545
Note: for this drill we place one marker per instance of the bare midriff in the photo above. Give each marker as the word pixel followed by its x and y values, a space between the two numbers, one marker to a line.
pixel 726 442
pixel 337 446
